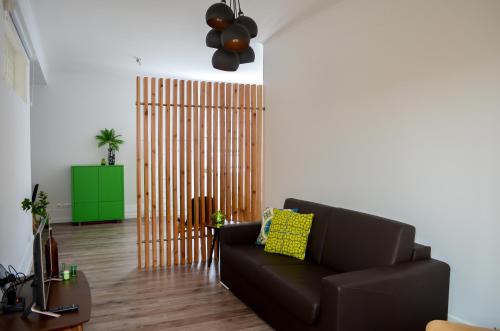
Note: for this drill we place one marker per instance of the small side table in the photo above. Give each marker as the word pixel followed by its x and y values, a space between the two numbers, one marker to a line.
pixel 215 240
pixel 216 237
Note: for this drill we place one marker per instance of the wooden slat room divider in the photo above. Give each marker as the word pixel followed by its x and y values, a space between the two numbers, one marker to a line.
pixel 199 150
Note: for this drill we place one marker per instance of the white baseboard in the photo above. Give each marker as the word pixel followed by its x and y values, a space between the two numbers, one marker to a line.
pixel 63 214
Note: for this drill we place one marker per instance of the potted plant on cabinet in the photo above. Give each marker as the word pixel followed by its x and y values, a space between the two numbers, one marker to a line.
pixel 110 138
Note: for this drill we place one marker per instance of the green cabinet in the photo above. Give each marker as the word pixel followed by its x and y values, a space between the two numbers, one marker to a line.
pixel 97 193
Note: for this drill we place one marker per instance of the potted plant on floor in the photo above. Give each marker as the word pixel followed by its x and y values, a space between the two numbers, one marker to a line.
pixel 110 138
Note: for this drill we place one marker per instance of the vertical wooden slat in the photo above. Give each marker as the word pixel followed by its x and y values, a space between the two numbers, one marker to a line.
pixel 229 209
pixel 138 170
pixel 209 158
pixel 154 230
pixel 215 146
pixel 248 117
pixel 175 109
pixel 241 146
pixel 215 156
pixel 203 166
pixel 253 99
pixel 168 148
pixel 146 171
pixel 189 173
pixel 222 137
pixel 182 156
pixel 196 174
pixel 260 115
pixel 209 149
pixel 234 149
pixel 161 152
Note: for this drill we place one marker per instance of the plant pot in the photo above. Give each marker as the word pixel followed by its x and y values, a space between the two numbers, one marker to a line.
pixel 36 222
pixel 111 156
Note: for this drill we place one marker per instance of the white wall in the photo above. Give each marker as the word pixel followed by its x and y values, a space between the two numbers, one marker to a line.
pixel 67 115
pixel 15 166
pixel 392 107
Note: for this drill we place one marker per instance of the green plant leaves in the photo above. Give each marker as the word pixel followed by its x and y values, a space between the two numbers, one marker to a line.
pixel 39 206
pixel 110 138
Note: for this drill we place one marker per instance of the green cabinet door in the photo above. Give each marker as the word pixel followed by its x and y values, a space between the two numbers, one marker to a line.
pixel 86 182
pixel 111 183
pixel 85 188
pixel 109 211
pixel 97 193
pixel 111 206
pixel 85 211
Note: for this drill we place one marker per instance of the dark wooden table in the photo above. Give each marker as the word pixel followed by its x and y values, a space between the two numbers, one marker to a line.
pixel 215 240
pixel 72 291
pixel 216 237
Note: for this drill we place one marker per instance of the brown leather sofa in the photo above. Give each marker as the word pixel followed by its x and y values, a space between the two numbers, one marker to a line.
pixel 361 273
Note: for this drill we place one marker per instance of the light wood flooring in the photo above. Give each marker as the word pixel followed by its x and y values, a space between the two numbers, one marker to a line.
pixel 124 298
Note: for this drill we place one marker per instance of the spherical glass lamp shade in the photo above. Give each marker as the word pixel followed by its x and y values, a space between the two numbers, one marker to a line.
pixel 213 39
pixel 249 24
pixel 247 56
pixel 235 38
pixel 226 61
pixel 219 16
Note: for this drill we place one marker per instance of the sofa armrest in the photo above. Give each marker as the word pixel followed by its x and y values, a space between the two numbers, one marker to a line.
pixel 401 297
pixel 242 233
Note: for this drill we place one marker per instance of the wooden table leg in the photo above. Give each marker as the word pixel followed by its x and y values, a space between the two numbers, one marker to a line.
pixel 212 249
pixel 217 246
pixel 215 242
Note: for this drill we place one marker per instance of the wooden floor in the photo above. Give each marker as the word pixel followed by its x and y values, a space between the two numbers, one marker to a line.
pixel 124 298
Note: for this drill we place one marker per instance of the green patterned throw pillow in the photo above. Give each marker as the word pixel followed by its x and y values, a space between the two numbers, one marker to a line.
pixel 289 233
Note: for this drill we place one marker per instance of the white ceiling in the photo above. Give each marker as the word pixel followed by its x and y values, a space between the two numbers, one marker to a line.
pixel 168 35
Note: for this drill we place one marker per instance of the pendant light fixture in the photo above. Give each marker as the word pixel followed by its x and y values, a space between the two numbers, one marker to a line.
pixel 226 61
pixel 213 39
pixel 248 23
pixel 231 33
pixel 235 38
pixel 247 56
pixel 219 16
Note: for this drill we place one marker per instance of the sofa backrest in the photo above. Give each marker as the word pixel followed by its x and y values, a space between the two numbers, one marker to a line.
pixel 322 215
pixel 347 240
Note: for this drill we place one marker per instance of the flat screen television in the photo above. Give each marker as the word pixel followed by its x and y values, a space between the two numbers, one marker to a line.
pixel 41 281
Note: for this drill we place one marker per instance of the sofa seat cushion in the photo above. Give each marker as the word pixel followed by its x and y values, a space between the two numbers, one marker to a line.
pixel 295 287
pixel 247 259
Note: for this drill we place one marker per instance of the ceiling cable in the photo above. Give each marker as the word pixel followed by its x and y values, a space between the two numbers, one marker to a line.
pixel 239 9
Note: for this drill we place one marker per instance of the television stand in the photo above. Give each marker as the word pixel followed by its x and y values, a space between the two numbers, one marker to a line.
pixel 62 293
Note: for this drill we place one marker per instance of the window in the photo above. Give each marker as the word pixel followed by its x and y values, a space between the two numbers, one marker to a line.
pixel 15 67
